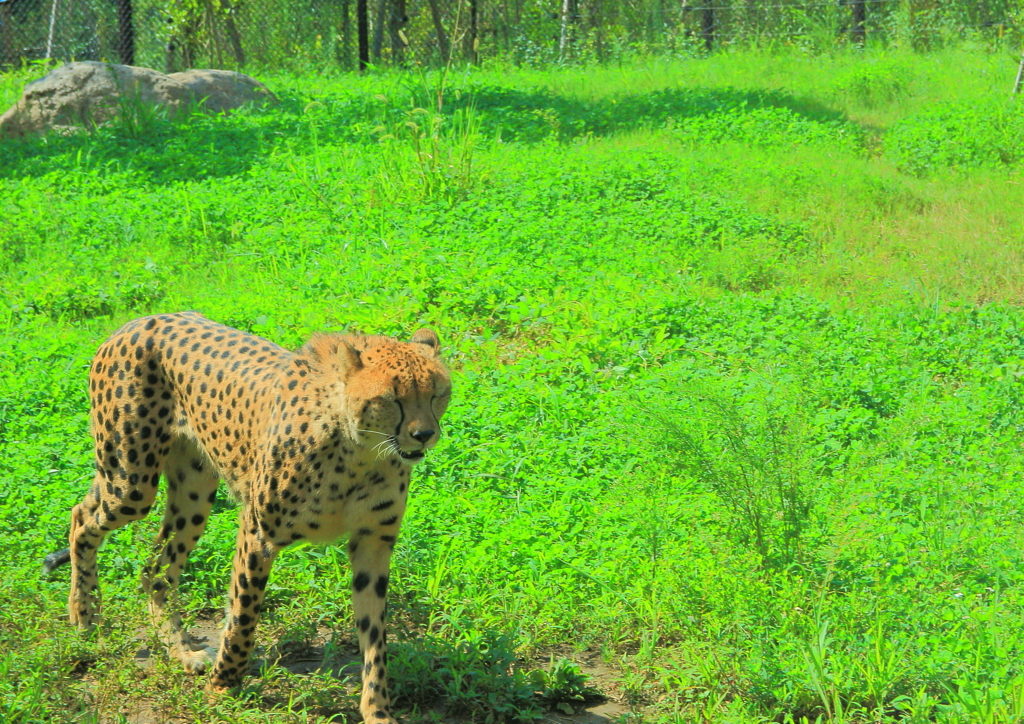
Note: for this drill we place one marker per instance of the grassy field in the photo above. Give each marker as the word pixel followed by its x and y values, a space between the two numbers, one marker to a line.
pixel 737 351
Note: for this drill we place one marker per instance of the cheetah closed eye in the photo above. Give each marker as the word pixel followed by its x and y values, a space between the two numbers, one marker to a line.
pixel 317 444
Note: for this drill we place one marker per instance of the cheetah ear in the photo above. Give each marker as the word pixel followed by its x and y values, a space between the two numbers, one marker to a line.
pixel 428 339
pixel 350 358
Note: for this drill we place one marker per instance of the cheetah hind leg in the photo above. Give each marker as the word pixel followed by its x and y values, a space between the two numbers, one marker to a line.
pixel 84 596
pixel 191 491
pixel 91 520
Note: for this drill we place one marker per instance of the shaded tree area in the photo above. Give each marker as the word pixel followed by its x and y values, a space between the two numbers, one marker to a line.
pixel 177 34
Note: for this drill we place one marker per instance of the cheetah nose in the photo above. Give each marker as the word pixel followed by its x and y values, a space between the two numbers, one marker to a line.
pixel 422 436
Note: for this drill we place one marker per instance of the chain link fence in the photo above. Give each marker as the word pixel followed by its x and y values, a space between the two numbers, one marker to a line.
pixel 349 34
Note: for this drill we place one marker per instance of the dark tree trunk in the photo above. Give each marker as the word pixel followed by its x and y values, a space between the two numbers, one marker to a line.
pixel 597 24
pixel 442 37
pixel 344 56
pixel 707 25
pixel 378 30
pixel 857 31
pixel 396 21
pixel 125 32
pixel 234 36
pixel 6 37
pixel 363 31
pixel 567 36
pixel 472 40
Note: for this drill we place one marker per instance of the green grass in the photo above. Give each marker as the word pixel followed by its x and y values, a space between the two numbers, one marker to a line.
pixel 737 361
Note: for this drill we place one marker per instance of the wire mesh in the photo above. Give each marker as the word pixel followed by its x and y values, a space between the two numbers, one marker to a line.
pixel 178 34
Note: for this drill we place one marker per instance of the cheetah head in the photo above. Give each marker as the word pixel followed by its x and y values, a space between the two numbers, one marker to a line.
pixel 395 393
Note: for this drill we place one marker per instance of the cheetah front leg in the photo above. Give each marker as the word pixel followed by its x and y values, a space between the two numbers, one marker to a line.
pixel 371 558
pixel 253 559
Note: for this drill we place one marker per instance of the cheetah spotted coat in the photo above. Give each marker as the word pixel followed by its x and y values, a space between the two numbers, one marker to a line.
pixel 317 445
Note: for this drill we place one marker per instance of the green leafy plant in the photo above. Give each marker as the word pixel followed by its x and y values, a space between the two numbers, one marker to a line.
pixel 473 675
pixel 957 136
pixel 563 686
pixel 872 84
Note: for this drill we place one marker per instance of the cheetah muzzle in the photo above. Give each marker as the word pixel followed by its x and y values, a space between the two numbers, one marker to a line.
pixel 317 444
pixel 413 457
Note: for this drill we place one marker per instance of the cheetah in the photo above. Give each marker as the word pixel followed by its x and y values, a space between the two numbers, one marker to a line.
pixel 316 444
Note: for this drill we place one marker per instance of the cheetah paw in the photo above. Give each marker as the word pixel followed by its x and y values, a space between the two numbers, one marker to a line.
pixel 216 691
pixel 86 625
pixel 199 660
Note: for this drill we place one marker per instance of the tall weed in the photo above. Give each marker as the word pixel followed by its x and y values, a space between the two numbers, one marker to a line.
pixel 425 154
pixel 138 118
pixel 751 448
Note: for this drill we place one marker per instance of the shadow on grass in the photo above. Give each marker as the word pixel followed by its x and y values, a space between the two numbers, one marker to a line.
pixel 540 114
pixel 217 146
pixel 476 676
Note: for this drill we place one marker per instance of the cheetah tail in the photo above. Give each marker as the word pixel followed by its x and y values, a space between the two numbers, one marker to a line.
pixel 56 560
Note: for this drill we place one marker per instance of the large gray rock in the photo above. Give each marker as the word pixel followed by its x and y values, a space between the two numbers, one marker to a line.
pixel 80 95
pixel 223 90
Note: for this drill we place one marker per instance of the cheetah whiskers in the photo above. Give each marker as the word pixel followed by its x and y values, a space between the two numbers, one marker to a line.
pixel 390 445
